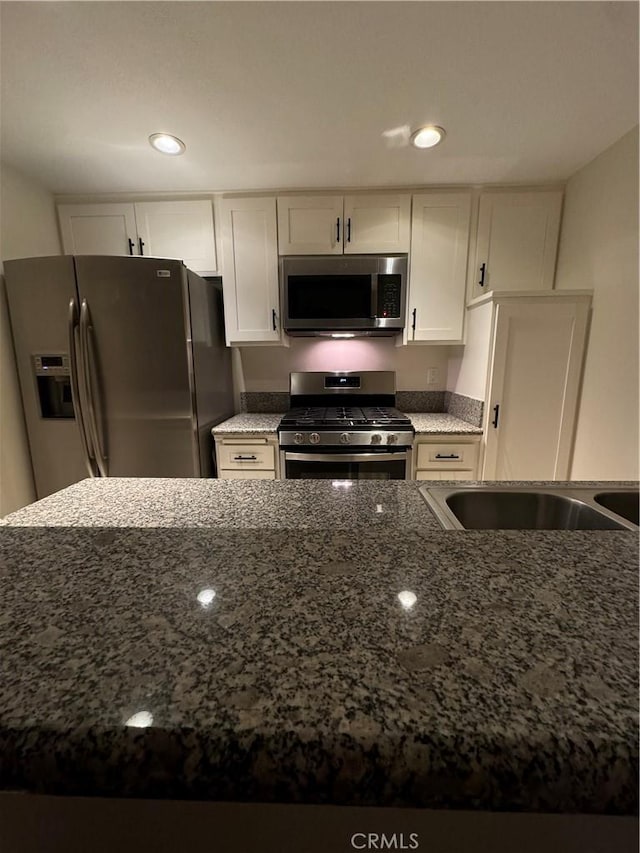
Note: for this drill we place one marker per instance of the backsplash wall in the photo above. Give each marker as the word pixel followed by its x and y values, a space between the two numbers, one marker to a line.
pixel 261 374
pixel 268 368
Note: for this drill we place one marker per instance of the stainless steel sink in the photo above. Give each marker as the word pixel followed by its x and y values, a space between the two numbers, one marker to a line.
pixel 624 503
pixel 522 508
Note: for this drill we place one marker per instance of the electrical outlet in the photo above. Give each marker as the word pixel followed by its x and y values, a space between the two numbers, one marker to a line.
pixel 432 376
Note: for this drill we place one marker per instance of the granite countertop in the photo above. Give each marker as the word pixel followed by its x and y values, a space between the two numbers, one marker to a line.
pixel 441 422
pixel 249 422
pixel 423 422
pixel 508 683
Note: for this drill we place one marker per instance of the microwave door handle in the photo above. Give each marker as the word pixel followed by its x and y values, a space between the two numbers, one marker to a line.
pixel 374 295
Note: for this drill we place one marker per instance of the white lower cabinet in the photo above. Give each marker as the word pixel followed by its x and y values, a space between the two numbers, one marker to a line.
pixel 438 457
pixel 250 270
pixel 247 457
pixel 182 230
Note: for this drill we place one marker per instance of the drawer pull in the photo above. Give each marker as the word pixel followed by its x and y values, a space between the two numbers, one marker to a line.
pixel 447 456
pixel 252 458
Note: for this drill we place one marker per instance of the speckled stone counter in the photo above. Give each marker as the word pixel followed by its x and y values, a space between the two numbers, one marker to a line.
pixel 249 422
pixel 424 422
pixel 507 683
pixel 234 504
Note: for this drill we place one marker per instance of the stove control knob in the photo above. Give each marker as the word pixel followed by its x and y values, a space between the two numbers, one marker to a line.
pixel 298 438
pixel 314 438
pixel 345 438
pixel 376 438
pixel 392 439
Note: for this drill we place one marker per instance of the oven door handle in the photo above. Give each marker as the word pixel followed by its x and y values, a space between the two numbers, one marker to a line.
pixel 344 457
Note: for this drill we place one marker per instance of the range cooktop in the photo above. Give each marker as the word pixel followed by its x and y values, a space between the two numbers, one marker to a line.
pixel 345 409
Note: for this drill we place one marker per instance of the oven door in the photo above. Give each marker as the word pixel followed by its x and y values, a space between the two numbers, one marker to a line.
pixel 346 466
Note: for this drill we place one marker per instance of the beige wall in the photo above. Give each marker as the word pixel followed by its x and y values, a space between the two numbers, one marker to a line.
pixel 599 250
pixel 28 227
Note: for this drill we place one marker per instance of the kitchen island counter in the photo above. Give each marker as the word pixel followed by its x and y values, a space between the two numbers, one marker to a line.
pixel 282 666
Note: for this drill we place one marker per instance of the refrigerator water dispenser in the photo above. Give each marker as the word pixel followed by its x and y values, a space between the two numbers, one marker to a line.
pixel 53 380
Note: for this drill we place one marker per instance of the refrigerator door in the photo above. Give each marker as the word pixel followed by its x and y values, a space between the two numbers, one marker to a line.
pixel 211 363
pixel 39 292
pixel 136 343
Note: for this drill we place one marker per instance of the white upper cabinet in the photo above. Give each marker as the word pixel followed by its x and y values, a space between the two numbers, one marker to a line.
pixel 377 224
pixel 437 279
pixel 250 270
pixel 517 241
pixel 310 225
pixel 98 229
pixel 333 225
pixel 178 229
pixel 163 229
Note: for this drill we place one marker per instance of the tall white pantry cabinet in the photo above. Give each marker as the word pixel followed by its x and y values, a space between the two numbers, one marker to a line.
pixel 535 345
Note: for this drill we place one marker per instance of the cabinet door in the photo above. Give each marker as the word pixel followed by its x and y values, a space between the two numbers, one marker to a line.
pixel 377 223
pixel 98 229
pixel 250 269
pixel 537 360
pixel 178 229
pixel 437 280
pixel 517 241
pixel 310 225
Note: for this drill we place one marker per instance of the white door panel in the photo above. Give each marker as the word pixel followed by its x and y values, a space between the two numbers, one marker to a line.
pixel 537 361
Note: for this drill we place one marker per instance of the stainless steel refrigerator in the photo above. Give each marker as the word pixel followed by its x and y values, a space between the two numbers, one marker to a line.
pixel 122 364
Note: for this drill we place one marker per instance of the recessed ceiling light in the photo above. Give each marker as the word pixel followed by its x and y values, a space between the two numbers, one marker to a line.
pixel 166 143
pixel 427 137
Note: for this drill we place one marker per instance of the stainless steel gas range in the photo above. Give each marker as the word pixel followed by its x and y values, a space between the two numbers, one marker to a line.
pixel 345 426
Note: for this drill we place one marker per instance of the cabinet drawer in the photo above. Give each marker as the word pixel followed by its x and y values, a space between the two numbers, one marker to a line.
pixel 444 456
pixel 449 474
pixel 246 456
pixel 247 475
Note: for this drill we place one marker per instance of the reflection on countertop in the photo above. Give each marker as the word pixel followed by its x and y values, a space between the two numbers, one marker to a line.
pixel 368 658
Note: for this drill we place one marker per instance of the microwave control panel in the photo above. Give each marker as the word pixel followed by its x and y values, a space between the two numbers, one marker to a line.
pixel 389 292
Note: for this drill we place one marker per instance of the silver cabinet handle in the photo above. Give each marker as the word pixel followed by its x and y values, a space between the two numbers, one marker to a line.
pixel 447 456
pixel 251 458
pixel 89 459
pixel 85 322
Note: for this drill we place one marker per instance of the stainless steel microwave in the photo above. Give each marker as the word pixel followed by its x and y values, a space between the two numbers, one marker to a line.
pixel 343 295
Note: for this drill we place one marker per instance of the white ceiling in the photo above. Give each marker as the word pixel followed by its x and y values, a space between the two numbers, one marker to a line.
pixel 312 94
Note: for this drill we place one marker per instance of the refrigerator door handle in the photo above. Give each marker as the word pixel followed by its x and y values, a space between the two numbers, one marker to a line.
pixel 85 322
pixel 89 459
